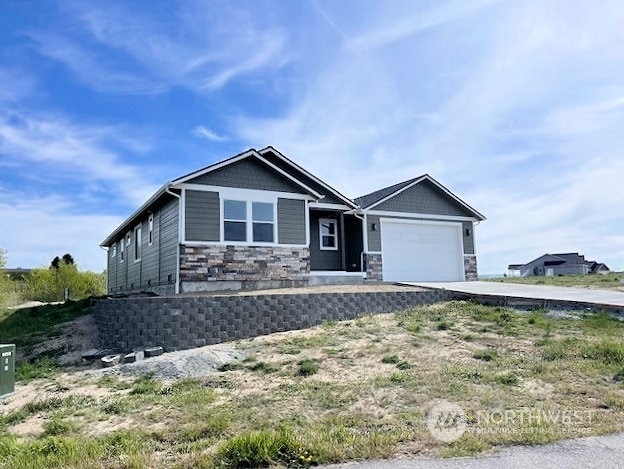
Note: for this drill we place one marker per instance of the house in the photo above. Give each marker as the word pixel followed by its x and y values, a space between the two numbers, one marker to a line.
pixel 571 263
pixel 259 220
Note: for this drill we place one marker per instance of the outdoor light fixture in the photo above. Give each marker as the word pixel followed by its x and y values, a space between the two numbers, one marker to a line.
pixel 374 227
pixel 467 231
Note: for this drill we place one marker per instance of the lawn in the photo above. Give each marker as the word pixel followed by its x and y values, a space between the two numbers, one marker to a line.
pixel 344 390
pixel 611 280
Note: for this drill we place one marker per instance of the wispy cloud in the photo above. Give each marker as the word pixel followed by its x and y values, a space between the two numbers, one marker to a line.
pixel 46 144
pixel 440 13
pixel 205 132
pixel 113 49
pixel 461 112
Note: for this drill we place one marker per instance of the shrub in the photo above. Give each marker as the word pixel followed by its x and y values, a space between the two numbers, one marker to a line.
pixel 393 359
pixel 231 366
pixel 263 367
pixel 307 368
pixel 509 379
pixel 486 355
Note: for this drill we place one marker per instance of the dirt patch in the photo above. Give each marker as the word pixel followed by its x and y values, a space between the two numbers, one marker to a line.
pixel 31 427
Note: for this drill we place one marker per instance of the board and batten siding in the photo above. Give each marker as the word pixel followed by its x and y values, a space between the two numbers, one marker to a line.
pixel 157 265
pixel 374 237
pixel 248 174
pixel 201 219
pixel 291 221
pixel 169 216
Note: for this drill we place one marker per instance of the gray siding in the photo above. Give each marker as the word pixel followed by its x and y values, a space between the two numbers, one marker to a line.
pixel 319 259
pixel 150 255
pixel 169 242
pixel 374 237
pixel 291 221
pixel 424 198
pixel 329 197
pixel 469 247
pixel 157 261
pixel 202 221
pixel 249 174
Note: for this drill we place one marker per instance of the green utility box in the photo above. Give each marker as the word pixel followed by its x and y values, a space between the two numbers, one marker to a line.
pixel 7 369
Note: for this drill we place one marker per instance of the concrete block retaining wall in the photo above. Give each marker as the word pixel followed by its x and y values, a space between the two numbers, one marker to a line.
pixel 184 322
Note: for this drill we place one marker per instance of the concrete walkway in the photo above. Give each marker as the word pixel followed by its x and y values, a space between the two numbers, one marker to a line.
pixel 540 292
pixel 592 452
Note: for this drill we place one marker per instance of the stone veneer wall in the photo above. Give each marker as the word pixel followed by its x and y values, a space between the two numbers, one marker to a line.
pixel 470 267
pixel 245 265
pixel 183 322
pixel 374 271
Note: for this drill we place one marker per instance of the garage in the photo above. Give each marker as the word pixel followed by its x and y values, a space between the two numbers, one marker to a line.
pixel 421 251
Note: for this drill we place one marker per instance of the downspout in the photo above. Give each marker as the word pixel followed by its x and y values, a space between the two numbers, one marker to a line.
pixel 177 284
pixel 353 212
pixel 107 267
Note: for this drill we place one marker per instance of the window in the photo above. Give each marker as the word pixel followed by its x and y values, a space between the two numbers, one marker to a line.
pixel 150 230
pixel 263 222
pixel 234 220
pixel 327 234
pixel 137 243
pixel 114 250
pixel 248 221
pixel 121 250
pixel 128 239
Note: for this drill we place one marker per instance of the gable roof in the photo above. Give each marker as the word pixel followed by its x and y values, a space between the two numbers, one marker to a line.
pixel 251 153
pixel 294 168
pixel 369 201
pixel 297 175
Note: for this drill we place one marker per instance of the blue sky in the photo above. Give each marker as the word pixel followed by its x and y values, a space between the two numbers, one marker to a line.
pixel 516 106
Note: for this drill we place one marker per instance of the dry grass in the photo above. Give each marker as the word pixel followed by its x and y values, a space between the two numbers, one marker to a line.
pixel 377 378
pixel 611 280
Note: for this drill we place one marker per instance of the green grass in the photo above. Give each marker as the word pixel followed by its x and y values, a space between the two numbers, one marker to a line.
pixel 611 280
pixel 42 368
pixel 359 390
pixel 308 368
pixel 28 326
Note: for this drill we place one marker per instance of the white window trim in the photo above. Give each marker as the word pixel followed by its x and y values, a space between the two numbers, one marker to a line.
pixel 137 242
pixel 248 221
pixel 128 238
pixel 122 250
pixel 335 235
pixel 150 230
pixel 114 250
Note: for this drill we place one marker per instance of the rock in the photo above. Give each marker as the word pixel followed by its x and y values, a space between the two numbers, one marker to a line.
pixel 130 357
pixel 153 351
pixel 96 354
pixel 110 360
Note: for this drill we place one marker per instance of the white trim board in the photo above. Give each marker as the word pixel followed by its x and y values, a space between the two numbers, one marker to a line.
pixel 422 216
pixel 241 192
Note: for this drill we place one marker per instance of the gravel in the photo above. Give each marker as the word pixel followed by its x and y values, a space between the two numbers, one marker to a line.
pixel 181 364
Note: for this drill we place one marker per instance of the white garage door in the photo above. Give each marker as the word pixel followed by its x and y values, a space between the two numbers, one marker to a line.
pixel 422 252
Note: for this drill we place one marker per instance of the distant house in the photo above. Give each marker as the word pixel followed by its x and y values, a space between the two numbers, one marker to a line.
pixel 17 273
pixel 259 220
pixel 570 263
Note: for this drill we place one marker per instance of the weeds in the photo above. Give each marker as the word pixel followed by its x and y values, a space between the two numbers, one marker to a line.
pixel 308 368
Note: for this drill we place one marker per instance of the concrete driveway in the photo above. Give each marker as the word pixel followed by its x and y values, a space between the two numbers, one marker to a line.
pixel 540 292
pixel 592 452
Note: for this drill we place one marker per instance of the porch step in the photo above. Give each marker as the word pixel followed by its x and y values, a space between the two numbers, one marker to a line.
pixel 336 278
